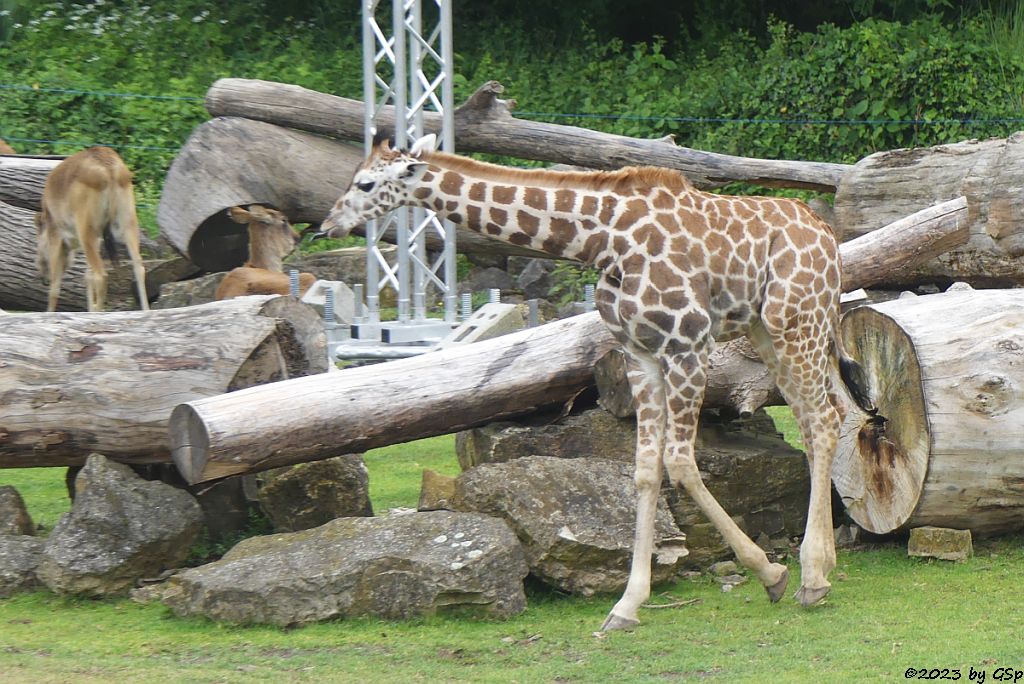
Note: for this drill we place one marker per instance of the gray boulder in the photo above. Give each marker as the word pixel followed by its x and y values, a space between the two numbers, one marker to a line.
pixel 398 566
pixel 14 517
pixel 535 279
pixel 754 474
pixel 120 528
pixel 576 519
pixel 347 265
pixel 309 495
pixel 19 558
pixel 593 433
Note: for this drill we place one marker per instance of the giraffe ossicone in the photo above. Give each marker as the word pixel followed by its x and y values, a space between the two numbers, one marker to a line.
pixel 679 268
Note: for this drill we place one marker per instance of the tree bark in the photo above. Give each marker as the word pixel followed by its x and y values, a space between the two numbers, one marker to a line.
pixel 437 393
pixel 946 371
pixel 485 124
pixel 22 180
pixel 71 384
pixel 371 406
pixel 737 380
pixel 886 185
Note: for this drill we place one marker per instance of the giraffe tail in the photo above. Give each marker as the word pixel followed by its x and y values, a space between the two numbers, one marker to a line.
pixel 854 377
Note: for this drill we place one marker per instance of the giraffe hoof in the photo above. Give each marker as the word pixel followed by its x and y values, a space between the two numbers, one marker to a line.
pixel 808 596
pixel 613 622
pixel 776 591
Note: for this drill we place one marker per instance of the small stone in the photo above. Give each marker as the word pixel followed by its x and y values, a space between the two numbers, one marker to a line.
pixel 940 542
pixel 14 517
pixel 765 542
pixel 846 535
pixel 436 491
pixel 734 580
pixel 723 568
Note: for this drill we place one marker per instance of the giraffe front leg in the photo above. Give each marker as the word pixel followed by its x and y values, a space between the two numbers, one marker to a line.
pixel 648 390
pixel 625 614
pixel 685 392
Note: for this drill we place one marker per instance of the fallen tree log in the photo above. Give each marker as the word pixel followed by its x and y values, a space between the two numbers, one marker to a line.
pixel 887 185
pixel 21 285
pixel 371 406
pixel 485 124
pixel 946 371
pixel 22 180
pixel 230 161
pixel 437 393
pixel 72 384
pixel 737 380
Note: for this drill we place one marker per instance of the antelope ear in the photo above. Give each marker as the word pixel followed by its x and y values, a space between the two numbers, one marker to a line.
pixel 239 215
pixel 427 143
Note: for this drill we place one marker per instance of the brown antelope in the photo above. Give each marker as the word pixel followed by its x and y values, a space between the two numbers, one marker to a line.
pixel 271 239
pixel 88 201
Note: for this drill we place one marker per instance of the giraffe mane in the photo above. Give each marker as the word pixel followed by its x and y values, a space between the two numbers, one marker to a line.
pixel 619 180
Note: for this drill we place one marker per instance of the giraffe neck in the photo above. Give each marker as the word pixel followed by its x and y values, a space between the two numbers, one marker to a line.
pixel 565 215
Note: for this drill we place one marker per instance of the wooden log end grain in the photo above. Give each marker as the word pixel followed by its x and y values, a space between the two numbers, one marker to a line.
pixel 947 374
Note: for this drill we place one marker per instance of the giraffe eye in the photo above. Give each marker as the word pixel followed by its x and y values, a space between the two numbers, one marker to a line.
pixel 365 186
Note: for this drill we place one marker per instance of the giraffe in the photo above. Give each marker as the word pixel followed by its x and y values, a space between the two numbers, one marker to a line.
pixel 680 269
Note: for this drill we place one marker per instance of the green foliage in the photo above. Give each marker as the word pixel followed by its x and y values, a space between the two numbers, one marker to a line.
pixel 916 84
pixel 568 280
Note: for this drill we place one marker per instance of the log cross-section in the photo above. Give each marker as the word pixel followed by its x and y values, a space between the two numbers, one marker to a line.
pixel 947 374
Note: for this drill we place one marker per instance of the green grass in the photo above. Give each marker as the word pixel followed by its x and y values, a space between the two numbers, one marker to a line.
pixel 886 613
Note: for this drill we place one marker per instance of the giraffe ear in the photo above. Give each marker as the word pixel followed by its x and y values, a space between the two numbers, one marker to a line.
pixel 427 143
pixel 413 170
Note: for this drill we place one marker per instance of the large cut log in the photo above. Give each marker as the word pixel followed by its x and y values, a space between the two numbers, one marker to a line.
pixel 737 380
pixel 230 161
pixel 371 406
pixel 485 124
pixel 71 384
pixel 437 393
pixel 886 185
pixel 22 180
pixel 947 372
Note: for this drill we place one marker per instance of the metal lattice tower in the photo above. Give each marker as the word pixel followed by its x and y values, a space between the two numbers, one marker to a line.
pixel 407 63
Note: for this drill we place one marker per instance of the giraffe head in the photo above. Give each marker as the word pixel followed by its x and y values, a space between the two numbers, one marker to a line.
pixel 384 181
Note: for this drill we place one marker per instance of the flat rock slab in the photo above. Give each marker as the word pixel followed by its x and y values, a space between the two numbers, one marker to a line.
pixel 19 557
pixel 940 542
pixel 575 517
pixel 399 566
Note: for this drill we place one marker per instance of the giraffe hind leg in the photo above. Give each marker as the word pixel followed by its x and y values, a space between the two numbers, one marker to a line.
pixel 805 381
pixel 685 388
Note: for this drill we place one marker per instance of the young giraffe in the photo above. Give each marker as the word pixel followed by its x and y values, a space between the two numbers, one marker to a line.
pixel 680 269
